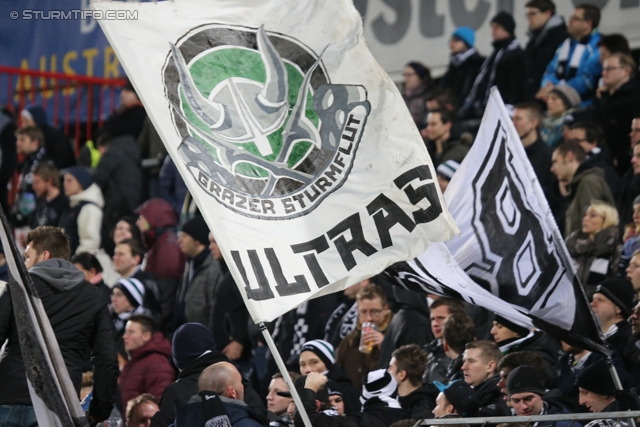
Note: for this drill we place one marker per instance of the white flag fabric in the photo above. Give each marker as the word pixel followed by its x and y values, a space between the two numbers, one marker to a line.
pixel 295 144
pixel 509 244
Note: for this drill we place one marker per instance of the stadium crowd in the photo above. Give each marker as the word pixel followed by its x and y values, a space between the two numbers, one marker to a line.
pixel 153 329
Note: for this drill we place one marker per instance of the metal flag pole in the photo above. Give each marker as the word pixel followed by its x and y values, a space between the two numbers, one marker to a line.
pixel 285 374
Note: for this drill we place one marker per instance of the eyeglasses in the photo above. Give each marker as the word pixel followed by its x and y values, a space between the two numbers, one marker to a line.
pixel 372 313
pixel 610 68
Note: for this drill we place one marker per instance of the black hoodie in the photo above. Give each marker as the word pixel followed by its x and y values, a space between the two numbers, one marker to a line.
pixel 79 324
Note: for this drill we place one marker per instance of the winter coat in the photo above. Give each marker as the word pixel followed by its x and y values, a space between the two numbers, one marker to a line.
pixel 567 371
pixel 178 394
pixel 164 259
pixel 150 144
pixel 584 250
pixel 419 403
pixel 614 112
pixel 80 326
pixel 417 104
pixel 148 370
pixel 239 413
pixel 541 49
pixel 24 205
pixel 171 186
pixel 451 150
pixel 539 154
pixel 127 120
pixel 551 407
pixel 56 143
pixel 119 176
pixel 504 68
pixel 82 221
pixel 490 399
pixel 356 364
pixel 437 363
pixel 585 186
pixel 228 315
pixel 461 73
pixel 49 212
pixel 9 155
pixel 376 414
pixel 629 190
pixel 601 158
pixel 544 345
pixel 410 325
pixel 584 77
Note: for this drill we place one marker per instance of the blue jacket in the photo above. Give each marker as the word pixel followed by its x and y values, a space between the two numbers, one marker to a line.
pixel 588 71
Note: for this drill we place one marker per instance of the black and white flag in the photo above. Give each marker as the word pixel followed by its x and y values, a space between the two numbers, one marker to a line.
pixel 53 396
pixel 509 245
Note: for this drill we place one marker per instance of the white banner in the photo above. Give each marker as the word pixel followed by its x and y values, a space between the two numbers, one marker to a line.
pixel 294 142
pixel 509 257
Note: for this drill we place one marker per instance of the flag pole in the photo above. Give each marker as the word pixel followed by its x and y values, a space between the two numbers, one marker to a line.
pixel 285 374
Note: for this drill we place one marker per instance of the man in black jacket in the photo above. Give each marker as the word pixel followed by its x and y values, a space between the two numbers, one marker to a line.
pixel 480 362
pixel 407 365
pixel 193 350
pixel 526 390
pixel 119 177
pixel 504 68
pixel 547 31
pixel 79 324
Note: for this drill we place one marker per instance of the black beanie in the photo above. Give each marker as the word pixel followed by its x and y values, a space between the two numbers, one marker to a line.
pixel 505 20
pixel 191 341
pixel 620 292
pixel 197 228
pixel 522 331
pixel 525 379
pixel 597 379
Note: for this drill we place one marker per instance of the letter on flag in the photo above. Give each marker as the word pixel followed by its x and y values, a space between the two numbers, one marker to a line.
pixel 295 144
pixel 510 247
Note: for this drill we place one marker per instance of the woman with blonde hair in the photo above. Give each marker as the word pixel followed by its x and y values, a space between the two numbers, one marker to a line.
pixel 595 248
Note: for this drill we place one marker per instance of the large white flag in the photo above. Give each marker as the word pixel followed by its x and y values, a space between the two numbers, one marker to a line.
pixel 509 244
pixel 295 144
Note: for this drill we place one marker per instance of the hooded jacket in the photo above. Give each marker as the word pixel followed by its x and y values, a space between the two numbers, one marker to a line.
pixel 82 221
pixel 79 324
pixel 164 258
pixel 148 370
pixel 410 325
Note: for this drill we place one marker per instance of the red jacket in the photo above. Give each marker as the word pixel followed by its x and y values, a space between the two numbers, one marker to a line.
pixel 148 370
pixel 165 260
